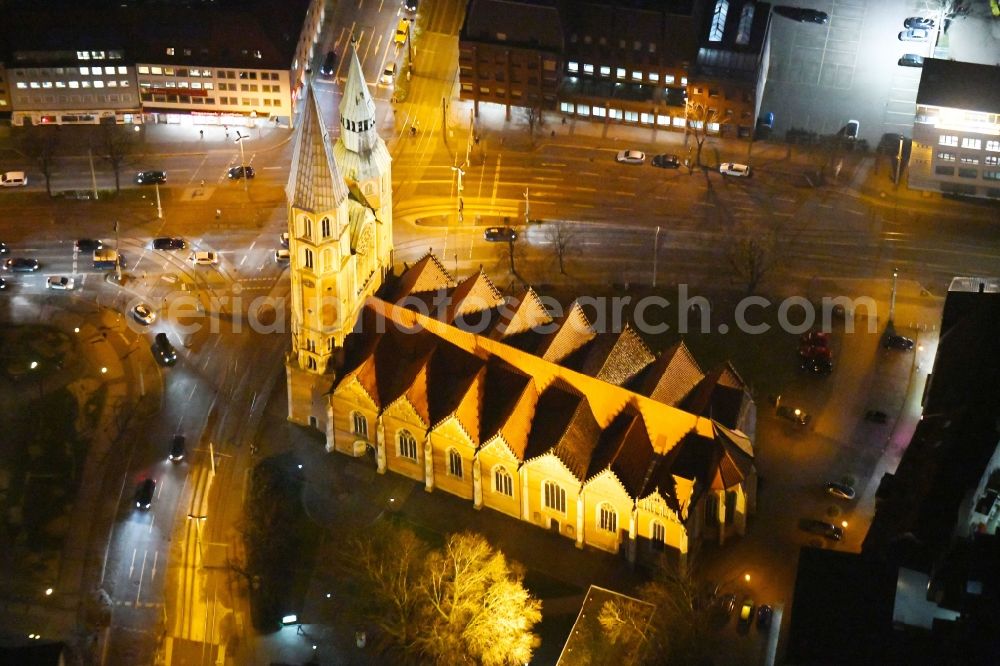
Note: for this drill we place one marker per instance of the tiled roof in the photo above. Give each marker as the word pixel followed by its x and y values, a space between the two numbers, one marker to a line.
pixel 400 368
pixel 616 358
pixel 509 399
pixel 520 315
pixel 624 446
pixel 314 182
pixel 573 333
pixel 424 276
pixel 455 381
pixel 671 377
pixel 735 459
pixel 360 152
pixel 720 396
pixel 568 429
pixel 475 293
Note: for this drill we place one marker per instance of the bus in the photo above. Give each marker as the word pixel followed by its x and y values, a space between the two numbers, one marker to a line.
pixel 105 259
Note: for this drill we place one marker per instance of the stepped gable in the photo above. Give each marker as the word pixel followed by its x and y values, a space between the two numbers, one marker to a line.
pixel 509 398
pixel 315 184
pixel 624 447
pixel 719 396
pixel 616 358
pixel 671 377
pixel 455 383
pixel 476 293
pixel 734 458
pixel 401 368
pixel 520 314
pixel 426 275
pixel 573 333
pixel 565 427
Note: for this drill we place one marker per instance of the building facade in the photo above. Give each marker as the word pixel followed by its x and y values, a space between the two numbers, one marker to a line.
pixel 956 131
pixel 669 65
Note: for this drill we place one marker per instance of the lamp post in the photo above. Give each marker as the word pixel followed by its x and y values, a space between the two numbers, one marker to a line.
pixel 243 159
pixel 656 250
pixel 461 172
pixel 527 207
pixel 159 208
pixel 892 296
pixel 197 522
pixel 899 160
pixel 118 255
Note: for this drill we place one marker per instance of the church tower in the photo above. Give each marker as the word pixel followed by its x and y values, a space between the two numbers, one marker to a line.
pixel 340 239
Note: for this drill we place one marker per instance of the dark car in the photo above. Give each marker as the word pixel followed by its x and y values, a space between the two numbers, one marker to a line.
pixel 764 615
pixel 144 494
pixel 88 244
pixel 911 60
pixel 177 448
pixel 329 64
pixel 823 529
pixel 237 172
pixel 3 283
pixel 727 603
pixel 3 247
pixel 164 351
pixel 410 5
pixel 919 22
pixel 666 161
pixel 802 15
pixel 496 234
pixel 818 363
pixel 815 339
pixel 150 177
pixel 21 265
pixel 793 414
pixel 168 244
pixel 897 342
pixel 841 490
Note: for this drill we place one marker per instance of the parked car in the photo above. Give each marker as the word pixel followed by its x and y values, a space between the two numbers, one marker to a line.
pixel 841 490
pixel 819 361
pixel 793 414
pixel 284 239
pixel 176 448
pixel 144 494
pixel 168 244
pixel 410 5
pixel 13 179
pixel 897 342
pixel 21 265
pixel 388 74
pixel 911 60
pixel 164 351
pixel 666 161
pixel 3 283
pixel 282 256
pixel 150 177
pixel 500 234
pixel 734 169
pixel 746 612
pixel 329 63
pixel 851 129
pixel 802 15
pixel 764 615
pixel 402 31
pixel 3 248
pixel 60 282
pixel 823 529
pixel 143 314
pixel 88 244
pixel 914 35
pixel 204 258
pixel 727 603
pixel 812 339
pixel 237 172
pixel 630 157
pixel 919 22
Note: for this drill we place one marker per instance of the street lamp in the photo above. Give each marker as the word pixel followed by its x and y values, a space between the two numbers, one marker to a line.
pixel 892 297
pixel 461 172
pixel 656 248
pixel 243 159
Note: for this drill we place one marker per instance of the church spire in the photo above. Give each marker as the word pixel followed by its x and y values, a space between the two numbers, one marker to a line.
pixel 357 109
pixel 315 183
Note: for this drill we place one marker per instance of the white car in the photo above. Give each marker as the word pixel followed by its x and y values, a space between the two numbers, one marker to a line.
pixel 59 282
pixel 388 74
pixel 143 314
pixel 734 169
pixel 282 256
pixel 631 157
pixel 13 179
pixel 284 239
pixel 204 258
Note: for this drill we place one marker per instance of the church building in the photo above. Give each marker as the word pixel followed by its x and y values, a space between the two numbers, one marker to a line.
pixel 496 399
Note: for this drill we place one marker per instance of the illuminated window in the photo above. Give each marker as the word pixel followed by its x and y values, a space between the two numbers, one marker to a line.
pixel 993 146
pixel 309 258
pixel 84 71
pixel 636 76
pixel 112 84
pixel 572 66
pixel 122 69
pixel 608 518
pixel 684 80
pixel 605 70
pixel 718 21
pixel 209 86
pixel 991 160
pixel 123 83
pixel 975 144
pixel 168 71
pixel 98 84
pixel 107 70
pixel 22 85
pixel 663 120
pixel 143 69
pixel 60 84
pixel 85 84
pixel 325 227
pixel 553 496
pixel 307 227
pixel 97 55
pixel 946 157
pixel 654 77
pixel 599 111
pixel 615 114
pixel 82 55
pixel 631 116
pixel 948 140
pixel 407 445
pixel 170 50
pixel 968 159
pixel 588 69
pixel 503 483
pixel 156 70
pixel 196 85
pixel 360 425
pixel 620 72
pixel 668 78
pixel 74 84
pixel 454 463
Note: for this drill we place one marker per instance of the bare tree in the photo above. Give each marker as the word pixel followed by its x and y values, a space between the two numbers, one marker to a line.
pixel 699 117
pixel 114 146
pixel 534 116
pixel 464 599
pixel 751 258
pixel 680 629
pixel 40 144
pixel 562 238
